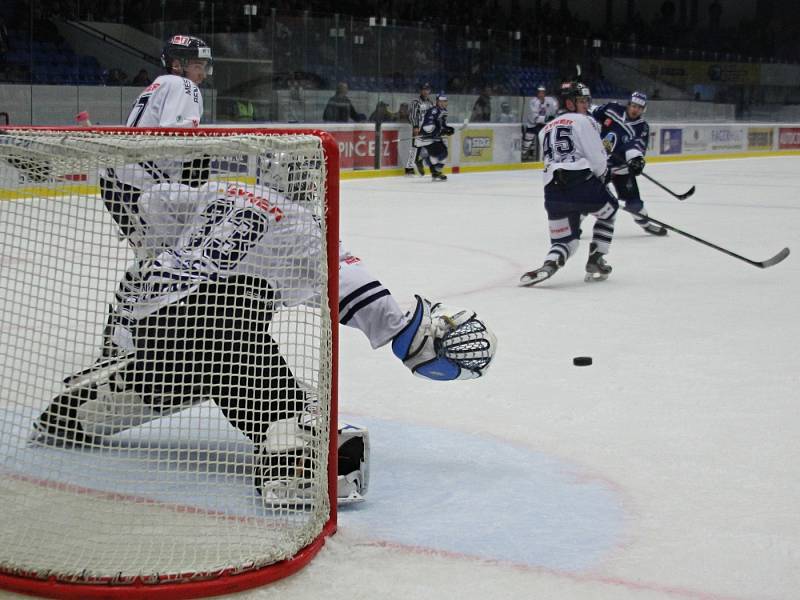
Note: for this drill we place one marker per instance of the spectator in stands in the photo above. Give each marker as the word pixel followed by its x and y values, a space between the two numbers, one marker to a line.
pixel 482 109
pixel 142 79
pixel 116 77
pixel 296 107
pixel 4 45
pixel 402 113
pixel 340 108
pixel 245 111
pixel 382 114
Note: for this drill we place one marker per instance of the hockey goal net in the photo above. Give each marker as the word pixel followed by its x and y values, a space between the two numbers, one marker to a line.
pixel 168 305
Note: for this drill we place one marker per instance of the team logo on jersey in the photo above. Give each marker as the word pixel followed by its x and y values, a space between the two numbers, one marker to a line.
pixel 609 141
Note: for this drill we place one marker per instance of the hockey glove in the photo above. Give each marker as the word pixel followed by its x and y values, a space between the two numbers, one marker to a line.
pixel 447 130
pixel 636 165
pixel 444 343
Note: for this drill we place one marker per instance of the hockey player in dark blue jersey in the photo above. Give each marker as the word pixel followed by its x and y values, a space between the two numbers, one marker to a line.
pixel 625 134
pixel 434 128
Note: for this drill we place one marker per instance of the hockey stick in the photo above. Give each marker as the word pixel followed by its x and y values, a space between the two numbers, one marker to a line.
pixel 763 264
pixel 683 196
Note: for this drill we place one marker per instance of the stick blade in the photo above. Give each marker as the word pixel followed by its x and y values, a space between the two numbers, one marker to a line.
pixel 771 262
pixel 687 194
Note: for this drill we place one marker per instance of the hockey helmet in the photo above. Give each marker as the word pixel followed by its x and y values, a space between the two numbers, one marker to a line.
pixel 184 48
pixel 425 86
pixel 639 99
pixel 572 90
pixel 296 176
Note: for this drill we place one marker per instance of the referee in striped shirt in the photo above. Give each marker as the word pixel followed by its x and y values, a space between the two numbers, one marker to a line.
pixel 416 114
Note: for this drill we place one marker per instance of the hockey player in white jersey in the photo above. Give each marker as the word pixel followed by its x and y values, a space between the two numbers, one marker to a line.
pixel 174 99
pixel 574 186
pixel 541 110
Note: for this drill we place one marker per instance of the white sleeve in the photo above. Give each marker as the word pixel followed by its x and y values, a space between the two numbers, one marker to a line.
pixel 591 145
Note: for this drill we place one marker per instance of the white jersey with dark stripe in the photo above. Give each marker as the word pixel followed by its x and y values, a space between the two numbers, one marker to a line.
pixel 365 303
pixel 170 101
pixel 226 229
pixel 622 137
pixel 571 142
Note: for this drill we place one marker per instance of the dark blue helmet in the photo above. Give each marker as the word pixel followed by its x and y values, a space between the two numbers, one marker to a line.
pixel 639 99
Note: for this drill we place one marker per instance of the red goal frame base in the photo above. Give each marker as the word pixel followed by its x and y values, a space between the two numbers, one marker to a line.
pixel 216 585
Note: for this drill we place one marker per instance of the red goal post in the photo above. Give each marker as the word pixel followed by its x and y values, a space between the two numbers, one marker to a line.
pixel 165 508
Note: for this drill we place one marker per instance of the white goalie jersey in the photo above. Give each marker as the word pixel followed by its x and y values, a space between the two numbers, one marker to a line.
pixel 219 230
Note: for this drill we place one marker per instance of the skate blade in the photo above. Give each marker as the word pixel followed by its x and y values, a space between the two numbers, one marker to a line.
pixel 534 277
pixel 594 277
pixel 656 232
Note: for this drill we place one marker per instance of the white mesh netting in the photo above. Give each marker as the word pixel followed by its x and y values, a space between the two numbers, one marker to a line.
pixel 163 300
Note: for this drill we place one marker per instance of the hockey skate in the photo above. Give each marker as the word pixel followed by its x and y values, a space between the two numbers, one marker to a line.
pixel 436 174
pixel 654 229
pixel 597 269
pixel 409 171
pixel 420 167
pixel 546 271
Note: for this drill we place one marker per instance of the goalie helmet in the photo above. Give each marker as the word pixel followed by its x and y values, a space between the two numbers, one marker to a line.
pixel 184 48
pixel 296 177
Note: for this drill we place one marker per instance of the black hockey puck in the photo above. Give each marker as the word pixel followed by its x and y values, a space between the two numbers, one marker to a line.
pixel 582 361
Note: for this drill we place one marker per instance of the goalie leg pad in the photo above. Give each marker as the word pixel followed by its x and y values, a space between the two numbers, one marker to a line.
pixel 353 467
pixel 96 404
pixel 284 462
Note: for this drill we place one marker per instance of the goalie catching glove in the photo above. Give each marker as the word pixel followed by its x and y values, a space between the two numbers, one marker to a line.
pixel 444 343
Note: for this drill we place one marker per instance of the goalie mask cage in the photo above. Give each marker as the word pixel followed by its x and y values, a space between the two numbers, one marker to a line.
pixel 164 504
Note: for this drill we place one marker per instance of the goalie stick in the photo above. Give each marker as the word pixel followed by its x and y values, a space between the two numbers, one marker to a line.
pixel 683 196
pixel 761 264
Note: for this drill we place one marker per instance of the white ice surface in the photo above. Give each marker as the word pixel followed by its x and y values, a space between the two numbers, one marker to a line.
pixel 667 469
